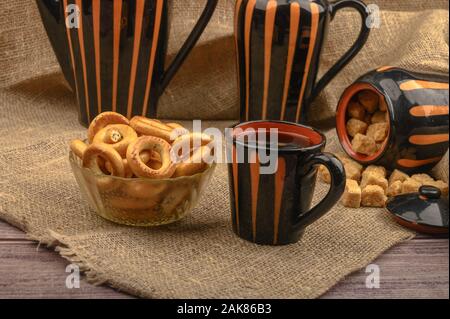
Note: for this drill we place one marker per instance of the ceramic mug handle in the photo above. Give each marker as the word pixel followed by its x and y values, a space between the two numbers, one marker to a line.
pixel 189 44
pixel 337 188
pixel 356 47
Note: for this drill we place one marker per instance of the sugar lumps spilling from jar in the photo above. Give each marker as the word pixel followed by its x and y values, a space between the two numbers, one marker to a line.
pixel 372 186
pixel 368 122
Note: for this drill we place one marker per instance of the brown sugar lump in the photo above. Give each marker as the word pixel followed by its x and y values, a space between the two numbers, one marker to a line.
pixel 364 144
pixel 355 126
pixel 352 168
pixel 352 172
pixel 423 178
pixel 324 174
pixel 349 161
pixel 356 111
pixel 377 170
pixel 378 132
pixel 378 117
pixel 397 176
pixel 342 156
pixel 441 185
pixel 374 179
pixel 395 189
pixel 352 194
pixel 411 186
pixel 373 196
pixel 369 100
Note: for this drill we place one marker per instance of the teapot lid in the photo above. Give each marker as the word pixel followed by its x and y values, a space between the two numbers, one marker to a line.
pixel 425 212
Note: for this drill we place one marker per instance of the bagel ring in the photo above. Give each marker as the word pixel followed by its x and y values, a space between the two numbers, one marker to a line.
pixel 148 127
pixel 104 153
pixel 119 136
pixel 193 141
pixel 104 119
pixel 149 158
pixel 108 154
pixel 150 143
pixel 180 129
pixel 195 164
pixel 145 189
pixel 128 172
pixel 175 125
pixel 177 197
pixel 78 147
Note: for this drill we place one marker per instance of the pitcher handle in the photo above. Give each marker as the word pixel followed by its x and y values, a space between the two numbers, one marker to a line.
pixel 353 51
pixel 191 41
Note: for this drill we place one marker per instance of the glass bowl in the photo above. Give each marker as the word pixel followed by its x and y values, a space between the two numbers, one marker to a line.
pixel 140 201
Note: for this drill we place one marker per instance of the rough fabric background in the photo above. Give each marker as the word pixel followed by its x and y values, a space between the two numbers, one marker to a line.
pixel 413 34
pixel 199 256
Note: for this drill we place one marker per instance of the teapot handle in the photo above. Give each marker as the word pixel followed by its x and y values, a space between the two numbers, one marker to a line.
pixel 188 44
pixel 356 47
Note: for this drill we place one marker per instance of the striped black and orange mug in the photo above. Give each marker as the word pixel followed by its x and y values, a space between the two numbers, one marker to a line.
pixel 272 173
pixel 279 44
pixel 417 117
pixel 112 52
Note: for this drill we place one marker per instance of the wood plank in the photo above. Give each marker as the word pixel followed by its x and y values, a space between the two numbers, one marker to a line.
pixel 8 232
pixel 415 269
pixel 28 272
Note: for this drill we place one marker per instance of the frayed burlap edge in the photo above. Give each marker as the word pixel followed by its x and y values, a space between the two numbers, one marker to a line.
pixel 93 276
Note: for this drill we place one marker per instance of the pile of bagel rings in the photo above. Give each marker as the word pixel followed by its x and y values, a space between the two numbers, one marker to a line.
pixel 153 188
pixel 140 147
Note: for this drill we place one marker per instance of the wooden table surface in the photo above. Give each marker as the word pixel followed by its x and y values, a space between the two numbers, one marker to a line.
pixel 415 269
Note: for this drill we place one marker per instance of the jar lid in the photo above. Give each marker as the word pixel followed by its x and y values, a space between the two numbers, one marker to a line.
pixel 425 212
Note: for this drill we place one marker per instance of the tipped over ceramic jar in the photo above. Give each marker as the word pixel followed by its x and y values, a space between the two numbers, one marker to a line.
pixel 395 118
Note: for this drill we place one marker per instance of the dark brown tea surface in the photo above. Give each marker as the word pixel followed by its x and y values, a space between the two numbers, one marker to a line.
pixel 282 140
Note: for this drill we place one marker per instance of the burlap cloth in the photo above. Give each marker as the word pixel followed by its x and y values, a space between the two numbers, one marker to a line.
pixel 199 256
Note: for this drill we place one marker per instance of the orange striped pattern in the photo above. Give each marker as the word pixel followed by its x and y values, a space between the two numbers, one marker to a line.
pixel 96 26
pixel 158 16
pixel 312 43
pixel 293 35
pixel 83 57
pixel 385 68
pixel 279 190
pixel 254 179
pixel 418 85
pixel 428 139
pixel 72 56
pixel 271 11
pixel 248 25
pixel 409 163
pixel 117 28
pixel 429 110
pixel 236 186
pixel 140 4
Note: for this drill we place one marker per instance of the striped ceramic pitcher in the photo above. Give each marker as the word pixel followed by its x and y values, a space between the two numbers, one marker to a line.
pixel 112 52
pixel 279 43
